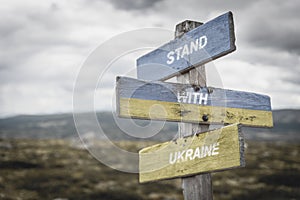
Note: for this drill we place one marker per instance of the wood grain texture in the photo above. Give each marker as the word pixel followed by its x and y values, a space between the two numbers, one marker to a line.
pixel 168 92
pixel 197 187
pixel 158 101
pixel 155 160
pixel 220 41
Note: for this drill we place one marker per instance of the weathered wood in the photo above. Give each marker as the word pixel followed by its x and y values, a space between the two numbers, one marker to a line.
pixel 196 47
pixel 214 150
pixel 191 94
pixel 185 27
pixel 191 103
pixel 198 187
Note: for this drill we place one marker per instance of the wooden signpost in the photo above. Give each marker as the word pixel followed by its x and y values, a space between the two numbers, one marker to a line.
pixel 198 46
pixel 197 151
pixel 187 103
pixel 215 150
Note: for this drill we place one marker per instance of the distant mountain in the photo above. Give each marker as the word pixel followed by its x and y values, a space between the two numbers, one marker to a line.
pixel 286 127
pixel 62 126
pixel 37 126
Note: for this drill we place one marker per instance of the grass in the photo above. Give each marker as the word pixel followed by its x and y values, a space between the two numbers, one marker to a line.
pixel 52 169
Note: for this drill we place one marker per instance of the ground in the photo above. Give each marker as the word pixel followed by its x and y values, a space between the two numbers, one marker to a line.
pixel 54 169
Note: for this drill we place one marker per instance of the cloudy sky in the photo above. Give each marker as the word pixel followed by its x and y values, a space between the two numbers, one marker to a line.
pixel 45 44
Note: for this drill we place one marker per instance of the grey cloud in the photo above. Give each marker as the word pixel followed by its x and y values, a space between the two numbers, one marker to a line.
pixel 221 5
pixel 293 79
pixel 54 7
pixel 134 4
pixel 30 32
pixel 281 37
pixel 30 41
pixel 6 29
pixel 34 26
pixel 266 56
pixel 40 45
pixel 274 25
pixel 262 24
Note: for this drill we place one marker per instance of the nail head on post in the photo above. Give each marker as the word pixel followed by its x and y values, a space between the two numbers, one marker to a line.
pixel 205 118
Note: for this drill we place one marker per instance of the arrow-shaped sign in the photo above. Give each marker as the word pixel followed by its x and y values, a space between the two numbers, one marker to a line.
pixel 186 103
pixel 198 46
pixel 211 151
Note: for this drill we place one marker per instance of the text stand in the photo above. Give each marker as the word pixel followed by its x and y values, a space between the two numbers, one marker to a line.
pixel 197 187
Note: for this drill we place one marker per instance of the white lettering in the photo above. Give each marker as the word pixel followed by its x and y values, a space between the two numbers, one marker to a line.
pixel 203 42
pixel 194 46
pixel 197 153
pixel 178 52
pixel 196 97
pixel 191 154
pixel 187 49
pixel 172 161
pixel 180 156
pixel 181 97
pixel 207 151
pixel 192 97
pixel 170 57
pixel 203 97
pixel 215 149
pixel 202 151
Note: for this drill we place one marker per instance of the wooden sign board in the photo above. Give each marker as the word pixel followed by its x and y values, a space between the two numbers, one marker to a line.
pixel 211 151
pixel 185 103
pixel 196 47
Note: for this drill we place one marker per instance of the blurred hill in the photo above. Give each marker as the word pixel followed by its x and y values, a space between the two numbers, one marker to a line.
pixel 286 127
pixel 62 126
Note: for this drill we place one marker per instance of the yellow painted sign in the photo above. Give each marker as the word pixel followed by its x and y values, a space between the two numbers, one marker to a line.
pixel 183 103
pixel 214 150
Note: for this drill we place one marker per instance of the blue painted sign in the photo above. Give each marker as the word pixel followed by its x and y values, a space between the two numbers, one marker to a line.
pixel 198 46
pixel 191 103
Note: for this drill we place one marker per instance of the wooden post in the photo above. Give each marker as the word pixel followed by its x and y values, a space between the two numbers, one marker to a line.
pixel 197 187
